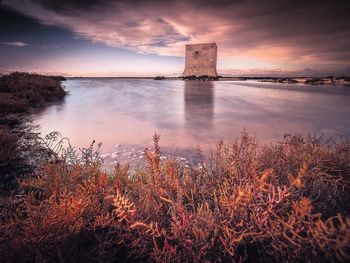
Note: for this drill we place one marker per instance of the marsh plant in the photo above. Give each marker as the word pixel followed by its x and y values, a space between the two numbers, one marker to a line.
pixel 59 149
pixel 245 202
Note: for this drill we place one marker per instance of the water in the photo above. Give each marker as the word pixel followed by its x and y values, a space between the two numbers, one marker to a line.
pixel 124 114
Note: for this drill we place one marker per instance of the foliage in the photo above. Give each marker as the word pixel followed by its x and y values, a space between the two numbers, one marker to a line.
pixel 8 144
pixel 159 78
pixel 313 81
pixel 245 202
pixel 203 77
pixel 21 91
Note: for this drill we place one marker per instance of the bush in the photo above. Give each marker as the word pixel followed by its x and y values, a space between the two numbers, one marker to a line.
pixel 8 145
pixel 203 77
pixel 243 203
pixel 21 91
pixel 191 77
pixel 159 78
pixel 59 78
pixel 10 103
pixel 313 81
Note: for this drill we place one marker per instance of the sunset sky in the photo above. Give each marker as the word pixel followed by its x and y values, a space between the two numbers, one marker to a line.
pixel 148 37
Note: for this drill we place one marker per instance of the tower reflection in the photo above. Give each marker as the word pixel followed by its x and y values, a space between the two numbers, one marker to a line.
pixel 199 108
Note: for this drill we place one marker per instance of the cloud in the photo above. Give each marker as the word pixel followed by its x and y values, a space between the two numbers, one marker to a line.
pixel 282 32
pixel 15 44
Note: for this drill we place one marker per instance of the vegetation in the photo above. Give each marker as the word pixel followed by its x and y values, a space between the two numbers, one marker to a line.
pixel 159 78
pixel 8 144
pixel 245 202
pixel 313 81
pixel 21 91
pixel 203 78
pixel 287 80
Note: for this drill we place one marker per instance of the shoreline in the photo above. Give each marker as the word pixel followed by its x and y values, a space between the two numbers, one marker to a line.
pixel 345 81
pixel 20 95
pixel 241 195
pixel 311 81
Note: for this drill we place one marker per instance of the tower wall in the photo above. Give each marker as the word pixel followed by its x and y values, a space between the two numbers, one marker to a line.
pixel 200 59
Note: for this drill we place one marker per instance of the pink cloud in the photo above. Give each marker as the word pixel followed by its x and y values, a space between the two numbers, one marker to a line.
pixel 280 34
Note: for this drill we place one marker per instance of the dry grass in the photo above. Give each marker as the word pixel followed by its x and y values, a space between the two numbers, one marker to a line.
pixel 283 202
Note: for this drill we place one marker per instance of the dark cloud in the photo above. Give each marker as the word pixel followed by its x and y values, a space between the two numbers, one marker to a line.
pixel 16 27
pixel 12 23
pixel 65 6
pixel 286 31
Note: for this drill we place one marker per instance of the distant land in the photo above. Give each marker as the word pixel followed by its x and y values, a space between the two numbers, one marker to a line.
pixel 330 80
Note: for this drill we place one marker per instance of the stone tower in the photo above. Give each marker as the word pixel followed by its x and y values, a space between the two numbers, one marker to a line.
pixel 200 60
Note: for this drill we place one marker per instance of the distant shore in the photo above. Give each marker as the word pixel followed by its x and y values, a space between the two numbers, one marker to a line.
pixel 313 81
pixel 330 80
pixel 289 80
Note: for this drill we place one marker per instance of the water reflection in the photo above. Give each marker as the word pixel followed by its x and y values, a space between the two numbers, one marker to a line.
pixel 199 108
pixel 56 107
pixel 188 113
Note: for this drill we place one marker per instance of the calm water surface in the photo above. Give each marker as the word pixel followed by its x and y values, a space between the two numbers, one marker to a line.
pixel 123 114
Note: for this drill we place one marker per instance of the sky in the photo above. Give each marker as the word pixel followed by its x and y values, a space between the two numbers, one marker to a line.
pixel 148 37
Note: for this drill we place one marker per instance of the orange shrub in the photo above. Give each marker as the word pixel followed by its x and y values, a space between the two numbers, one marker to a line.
pixel 245 203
